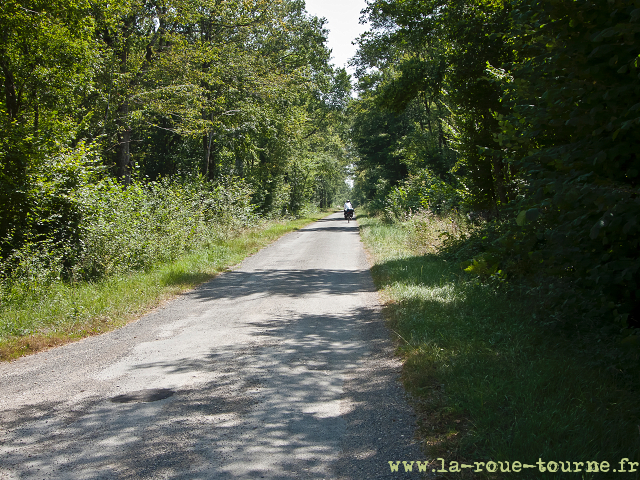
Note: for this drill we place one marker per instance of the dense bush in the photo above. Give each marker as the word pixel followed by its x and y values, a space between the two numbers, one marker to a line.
pixel 424 191
pixel 572 131
pixel 133 228
pixel 44 227
pixel 82 227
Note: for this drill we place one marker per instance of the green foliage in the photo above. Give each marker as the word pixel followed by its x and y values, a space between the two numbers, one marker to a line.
pixel 217 88
pixel 103 102
pixel 573 132
pixel 49 212
pixel 434 72
pixel 46 66
pixel 117 230
pixel 375 135
pixel 541 101
pixel 483 266
pixel 134 228
pixel 423 191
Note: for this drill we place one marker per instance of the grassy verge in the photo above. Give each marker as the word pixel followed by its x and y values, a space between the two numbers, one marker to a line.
pixel 489 381
pixel 64 312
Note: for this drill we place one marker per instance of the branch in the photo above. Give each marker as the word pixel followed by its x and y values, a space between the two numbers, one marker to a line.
pixel 162 128
pixel 240 25
pixel 29 11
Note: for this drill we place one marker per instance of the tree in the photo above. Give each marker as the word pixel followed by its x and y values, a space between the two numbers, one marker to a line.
pixel 47 57
pixel 153 89
pixel 573 131
pixel 438 60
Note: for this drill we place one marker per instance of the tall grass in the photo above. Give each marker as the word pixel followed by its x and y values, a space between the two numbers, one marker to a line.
pixel 490 381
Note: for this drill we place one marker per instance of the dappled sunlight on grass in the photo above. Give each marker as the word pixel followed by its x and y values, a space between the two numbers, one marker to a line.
pixel 443 294
pixel 490 382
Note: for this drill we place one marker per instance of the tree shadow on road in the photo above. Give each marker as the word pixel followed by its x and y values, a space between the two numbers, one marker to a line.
pixel 292 283
pixel 275 409
pixel 305 391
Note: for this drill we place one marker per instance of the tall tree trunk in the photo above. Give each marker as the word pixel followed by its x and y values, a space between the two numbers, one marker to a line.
pixel 498 180
pixel 441 139
pixel 11 98
pixel 36 117
pixel 207 139
pixel 239 163
pixel 206 148
pixel 428 110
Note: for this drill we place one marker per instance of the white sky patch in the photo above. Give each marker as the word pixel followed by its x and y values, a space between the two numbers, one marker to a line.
pixel 343 18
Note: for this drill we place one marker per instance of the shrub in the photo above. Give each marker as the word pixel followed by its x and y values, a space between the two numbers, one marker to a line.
pixel 115 229
pixel 424 191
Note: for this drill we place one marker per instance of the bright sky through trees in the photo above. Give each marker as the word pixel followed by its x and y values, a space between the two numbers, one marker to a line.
pixel 343 22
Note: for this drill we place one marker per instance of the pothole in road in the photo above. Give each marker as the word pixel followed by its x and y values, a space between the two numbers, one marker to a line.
pixel 144 396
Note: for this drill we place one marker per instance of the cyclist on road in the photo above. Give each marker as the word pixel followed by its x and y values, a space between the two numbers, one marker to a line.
pixel 348 208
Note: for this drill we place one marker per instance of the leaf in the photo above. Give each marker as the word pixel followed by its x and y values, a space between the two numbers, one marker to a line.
pixel 595 230
pixel 631 341
pixel 521 218
pixel 532 214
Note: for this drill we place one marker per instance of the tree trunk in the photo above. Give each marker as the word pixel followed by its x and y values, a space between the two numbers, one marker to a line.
pixel 441 139
pixel 207 140
pixel 239 163
pixel 206 147
pixel 9 89
pixel 498 180
pixel 427 109
pixel 36 117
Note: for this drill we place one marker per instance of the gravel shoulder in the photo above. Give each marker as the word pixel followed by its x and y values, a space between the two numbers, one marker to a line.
pixel 281 368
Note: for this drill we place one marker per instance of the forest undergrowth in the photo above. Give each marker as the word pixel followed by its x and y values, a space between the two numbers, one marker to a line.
pixel 491 378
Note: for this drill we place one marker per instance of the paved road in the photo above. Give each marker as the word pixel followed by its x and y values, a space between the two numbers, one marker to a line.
pixel 279 369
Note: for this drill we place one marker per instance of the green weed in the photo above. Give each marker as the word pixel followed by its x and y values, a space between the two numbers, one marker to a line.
pixel 490 381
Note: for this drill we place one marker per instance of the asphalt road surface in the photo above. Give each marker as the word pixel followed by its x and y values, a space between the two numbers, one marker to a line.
pixel 281 368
